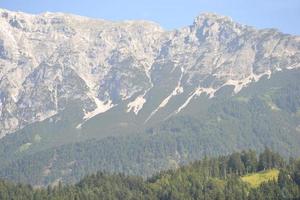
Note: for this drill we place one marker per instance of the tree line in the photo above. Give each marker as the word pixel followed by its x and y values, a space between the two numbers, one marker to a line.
pixel 210 178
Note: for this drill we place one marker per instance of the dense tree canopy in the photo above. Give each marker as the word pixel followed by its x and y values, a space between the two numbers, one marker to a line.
pixel 211 178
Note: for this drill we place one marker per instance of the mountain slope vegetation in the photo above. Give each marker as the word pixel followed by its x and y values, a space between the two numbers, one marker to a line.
pixel 210 179
pixel 252 119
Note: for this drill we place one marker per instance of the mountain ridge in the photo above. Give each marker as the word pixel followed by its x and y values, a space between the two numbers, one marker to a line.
pixel 117 61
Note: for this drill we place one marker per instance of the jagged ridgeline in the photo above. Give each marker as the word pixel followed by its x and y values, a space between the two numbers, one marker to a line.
pixel 78 95
pixel 239 176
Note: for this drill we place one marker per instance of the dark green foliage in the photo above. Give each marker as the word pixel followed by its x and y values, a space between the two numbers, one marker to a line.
pixel 269 160
pixel 250 160
pixel 235 164
pixel 201 180
pixel 296 175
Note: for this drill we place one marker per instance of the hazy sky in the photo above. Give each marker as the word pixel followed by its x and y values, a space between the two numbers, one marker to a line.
pixel 281 14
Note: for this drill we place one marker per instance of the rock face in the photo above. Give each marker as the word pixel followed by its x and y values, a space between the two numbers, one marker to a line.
pixel 51 59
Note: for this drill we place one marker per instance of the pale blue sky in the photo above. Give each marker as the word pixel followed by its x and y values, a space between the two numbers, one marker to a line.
pixel 281 14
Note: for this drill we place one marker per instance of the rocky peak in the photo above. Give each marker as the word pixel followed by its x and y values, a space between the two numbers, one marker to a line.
pixel 211 25
pixel 208 18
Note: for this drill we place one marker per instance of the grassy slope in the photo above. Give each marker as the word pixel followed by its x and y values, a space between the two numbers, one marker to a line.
pixel 256 179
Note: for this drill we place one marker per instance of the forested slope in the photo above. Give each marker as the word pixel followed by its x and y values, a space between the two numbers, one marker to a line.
pixel 264 114
pixel 210 178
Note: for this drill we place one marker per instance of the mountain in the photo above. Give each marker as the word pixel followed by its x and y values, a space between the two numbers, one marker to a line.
pixel 78 94
pixel 51 59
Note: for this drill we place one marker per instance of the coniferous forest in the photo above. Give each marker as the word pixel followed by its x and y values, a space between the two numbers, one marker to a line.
pixel 241 175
